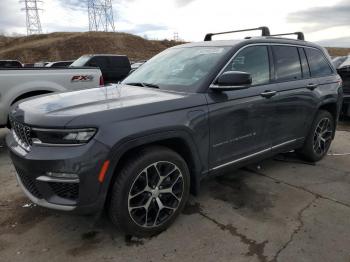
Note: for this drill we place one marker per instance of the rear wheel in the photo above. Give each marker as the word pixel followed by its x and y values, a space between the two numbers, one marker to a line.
pixel 320 137
pixel 149 192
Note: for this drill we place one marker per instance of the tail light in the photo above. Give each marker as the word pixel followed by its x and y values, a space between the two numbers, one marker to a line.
pixel 102 81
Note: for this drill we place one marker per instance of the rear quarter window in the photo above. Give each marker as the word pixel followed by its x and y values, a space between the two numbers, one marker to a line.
pixel 317 63
pixel 287 63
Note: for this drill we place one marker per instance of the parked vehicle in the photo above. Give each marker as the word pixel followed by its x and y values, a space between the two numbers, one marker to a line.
pixel 41 64
pixel 19 84
pixel 136 65
pixel 114 67
pixel 59 64
pixel 10 64
pixel 342 65
pixel 194 110
pixel 28 65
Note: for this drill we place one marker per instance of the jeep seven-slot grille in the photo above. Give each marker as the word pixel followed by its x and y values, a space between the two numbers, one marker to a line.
pixel 66 190
pixel 22 133
pixel 29 183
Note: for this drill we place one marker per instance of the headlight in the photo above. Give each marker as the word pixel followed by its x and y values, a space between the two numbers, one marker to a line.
pixel 62 136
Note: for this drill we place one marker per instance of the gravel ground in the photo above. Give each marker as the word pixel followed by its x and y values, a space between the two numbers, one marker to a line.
pixel 279 210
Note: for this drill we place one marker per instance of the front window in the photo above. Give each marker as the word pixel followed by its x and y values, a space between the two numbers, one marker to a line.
pixel 180 69
pixel 253 60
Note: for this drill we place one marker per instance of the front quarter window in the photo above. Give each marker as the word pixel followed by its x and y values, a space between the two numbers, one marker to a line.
pixel 181 69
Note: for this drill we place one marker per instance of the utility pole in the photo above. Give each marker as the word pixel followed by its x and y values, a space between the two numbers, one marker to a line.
pixel 101 16
pixel 32 16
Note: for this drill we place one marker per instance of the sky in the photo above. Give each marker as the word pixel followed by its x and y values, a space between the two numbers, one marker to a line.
pixel 323 21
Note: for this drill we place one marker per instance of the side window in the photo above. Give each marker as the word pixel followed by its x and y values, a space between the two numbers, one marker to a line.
pixel 287 63
pixel 304 64
pixel 253 60
pixel 100 62
pixel 318 63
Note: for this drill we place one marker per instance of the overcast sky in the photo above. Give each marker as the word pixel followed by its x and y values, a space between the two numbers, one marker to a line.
pixel 322 20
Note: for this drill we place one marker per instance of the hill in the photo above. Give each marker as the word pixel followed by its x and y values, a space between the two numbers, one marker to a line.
pixel 68 46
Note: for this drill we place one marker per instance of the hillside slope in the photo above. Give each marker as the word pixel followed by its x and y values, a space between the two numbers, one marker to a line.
pixel 68 46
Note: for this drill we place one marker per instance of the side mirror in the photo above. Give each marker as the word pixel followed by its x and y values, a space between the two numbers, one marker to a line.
pixel 232 80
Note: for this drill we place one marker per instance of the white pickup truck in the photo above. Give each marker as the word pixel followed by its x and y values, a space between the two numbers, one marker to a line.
pixel 18 84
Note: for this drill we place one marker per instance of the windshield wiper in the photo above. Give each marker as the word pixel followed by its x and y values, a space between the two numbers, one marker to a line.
pixel 143 84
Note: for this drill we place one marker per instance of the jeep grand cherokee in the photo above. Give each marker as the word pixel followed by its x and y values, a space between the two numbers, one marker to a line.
pixel 140 147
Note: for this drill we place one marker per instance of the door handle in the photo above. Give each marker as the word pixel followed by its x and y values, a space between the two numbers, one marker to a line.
pixel 268 94
pixel 312 86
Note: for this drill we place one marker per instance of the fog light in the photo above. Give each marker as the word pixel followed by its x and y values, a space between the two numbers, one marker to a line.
pixel 62 175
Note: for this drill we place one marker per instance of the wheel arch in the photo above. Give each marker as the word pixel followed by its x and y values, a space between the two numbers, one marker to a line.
pixel 178 141
pixel 333 109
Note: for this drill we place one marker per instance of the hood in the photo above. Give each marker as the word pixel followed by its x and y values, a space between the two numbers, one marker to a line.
pixel 112 103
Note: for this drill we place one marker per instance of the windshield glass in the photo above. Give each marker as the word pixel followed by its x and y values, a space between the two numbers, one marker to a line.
pixel 80 61
pixel 180 69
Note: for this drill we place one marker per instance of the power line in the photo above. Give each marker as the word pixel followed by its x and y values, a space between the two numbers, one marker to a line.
pixel 32 16
pixel 101 16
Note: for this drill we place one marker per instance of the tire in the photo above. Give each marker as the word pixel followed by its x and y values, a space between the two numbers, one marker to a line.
pixel 138 190
pixel 319 138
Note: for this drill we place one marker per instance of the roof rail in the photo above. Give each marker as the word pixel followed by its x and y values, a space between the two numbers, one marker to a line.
pixel 299 34
pixel 264 32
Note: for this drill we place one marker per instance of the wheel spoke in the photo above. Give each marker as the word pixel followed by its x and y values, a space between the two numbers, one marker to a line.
pixel 160 179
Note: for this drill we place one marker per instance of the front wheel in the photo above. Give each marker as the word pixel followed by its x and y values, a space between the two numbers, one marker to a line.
pixel 320 137
pixel 149 192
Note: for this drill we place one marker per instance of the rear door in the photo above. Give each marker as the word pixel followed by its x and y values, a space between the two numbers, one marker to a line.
pixel 120 67
pixel 294 101
pixel 238 118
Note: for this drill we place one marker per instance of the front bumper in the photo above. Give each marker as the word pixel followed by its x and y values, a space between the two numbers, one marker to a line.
pixel 82 195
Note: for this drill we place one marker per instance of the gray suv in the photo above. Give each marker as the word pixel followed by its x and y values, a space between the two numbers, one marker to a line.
pixel 140 147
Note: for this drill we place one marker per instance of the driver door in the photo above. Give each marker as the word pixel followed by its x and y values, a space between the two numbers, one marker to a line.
pixel 239 118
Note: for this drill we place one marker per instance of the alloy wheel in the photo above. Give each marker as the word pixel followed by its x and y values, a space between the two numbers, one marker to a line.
pixel 156 194
pixel 323 136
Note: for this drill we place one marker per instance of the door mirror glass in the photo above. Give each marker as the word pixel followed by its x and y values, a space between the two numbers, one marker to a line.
pixel 232 80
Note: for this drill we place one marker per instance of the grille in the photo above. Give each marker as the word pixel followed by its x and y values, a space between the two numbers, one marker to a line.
pixel 66 190
pixel 22 133
pixel 29 183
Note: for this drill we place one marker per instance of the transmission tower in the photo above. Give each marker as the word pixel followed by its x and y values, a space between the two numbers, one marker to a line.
pixel 32 14
pixel 101 15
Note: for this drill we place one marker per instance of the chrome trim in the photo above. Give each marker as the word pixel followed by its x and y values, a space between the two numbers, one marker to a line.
pixel 43 202
pixel 285 143
pixel 255 154
pixel 57 180
pixel 241 159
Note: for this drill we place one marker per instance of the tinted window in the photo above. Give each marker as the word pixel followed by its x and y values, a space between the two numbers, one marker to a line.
pixel 304 64
pixel 287 63
pixel 119 61
pixel 318 63
pixel 99 61
pixel 253 60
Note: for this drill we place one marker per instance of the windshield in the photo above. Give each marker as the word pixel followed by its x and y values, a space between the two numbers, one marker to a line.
pixel 180 69
pixel 80 62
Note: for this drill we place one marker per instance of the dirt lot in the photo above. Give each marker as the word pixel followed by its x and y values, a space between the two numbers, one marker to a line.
pixel 279 210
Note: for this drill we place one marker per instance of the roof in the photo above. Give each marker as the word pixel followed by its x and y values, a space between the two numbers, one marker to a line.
pixel 252 40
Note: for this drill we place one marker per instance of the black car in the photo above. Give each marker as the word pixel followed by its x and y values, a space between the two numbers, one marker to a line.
pixel 194 110
pixel 10 64
pixel 342 65
pixel 114 68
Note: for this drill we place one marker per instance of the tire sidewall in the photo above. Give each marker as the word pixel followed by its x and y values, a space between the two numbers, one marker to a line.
pixel 309 151
pixel 119 203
